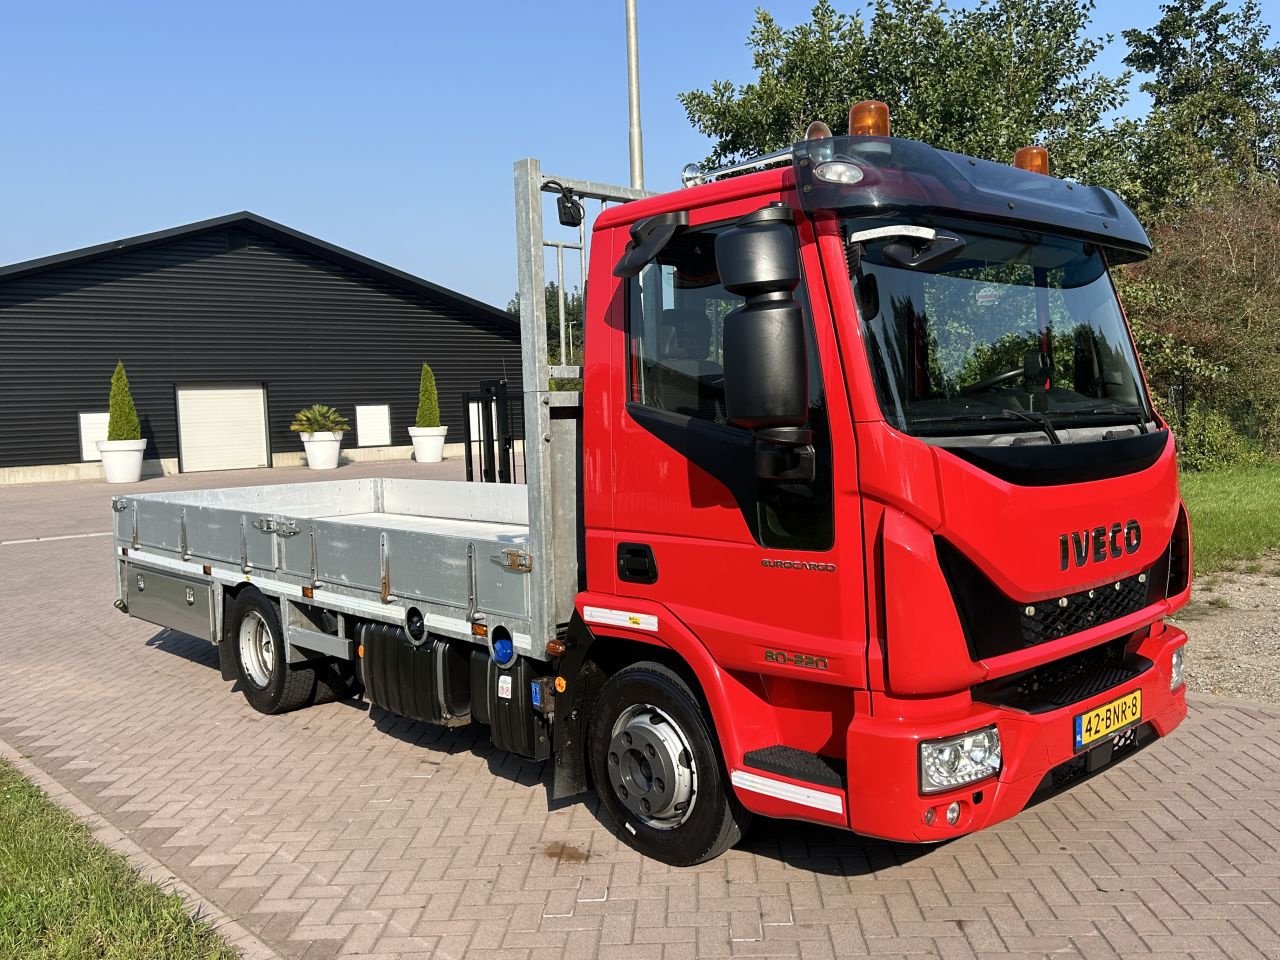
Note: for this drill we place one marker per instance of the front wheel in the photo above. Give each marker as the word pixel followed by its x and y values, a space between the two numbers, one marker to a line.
pixel 657 770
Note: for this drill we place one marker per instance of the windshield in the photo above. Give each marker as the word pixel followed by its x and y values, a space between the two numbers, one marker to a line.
pixel 999 331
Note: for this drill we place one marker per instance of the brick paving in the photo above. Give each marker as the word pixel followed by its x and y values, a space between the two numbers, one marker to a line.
pixel 342 832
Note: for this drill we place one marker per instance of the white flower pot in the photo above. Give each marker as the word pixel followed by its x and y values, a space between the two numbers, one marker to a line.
pixel 322 449
pixel 122 460
pixel 428 443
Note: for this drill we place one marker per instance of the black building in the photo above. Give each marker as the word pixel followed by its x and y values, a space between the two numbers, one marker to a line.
pixel 227 327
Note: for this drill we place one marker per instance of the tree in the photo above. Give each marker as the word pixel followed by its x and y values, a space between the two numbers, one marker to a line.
pixel 428 400
pixel 122 415
pixel 1215 91
pixel 1205 311
pixel 981 81
pixel 573 306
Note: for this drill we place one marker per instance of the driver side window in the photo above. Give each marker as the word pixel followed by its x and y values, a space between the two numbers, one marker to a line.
pixel 676 330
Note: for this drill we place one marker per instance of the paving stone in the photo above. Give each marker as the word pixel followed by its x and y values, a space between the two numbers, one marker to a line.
pixel 338 831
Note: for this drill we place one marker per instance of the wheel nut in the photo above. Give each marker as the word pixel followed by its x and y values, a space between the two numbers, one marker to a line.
pixel 626 738
pixel 623 790
pixel 613 759
pixel 644 805
pixel 660 785
pixel 650 751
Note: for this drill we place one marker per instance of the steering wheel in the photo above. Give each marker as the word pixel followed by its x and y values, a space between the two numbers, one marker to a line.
pixel 994 381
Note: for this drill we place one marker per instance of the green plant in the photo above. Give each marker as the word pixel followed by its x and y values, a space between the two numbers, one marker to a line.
pixel 1207 440
pixel 122 419
pixel 428 400
pixel 1235 516
pixel 65 896
pixel 319 418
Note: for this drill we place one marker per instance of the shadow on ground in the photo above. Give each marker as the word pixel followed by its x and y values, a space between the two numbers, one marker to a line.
pixel 800 845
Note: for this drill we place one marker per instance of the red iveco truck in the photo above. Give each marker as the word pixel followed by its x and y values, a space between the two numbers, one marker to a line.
pixel 862 516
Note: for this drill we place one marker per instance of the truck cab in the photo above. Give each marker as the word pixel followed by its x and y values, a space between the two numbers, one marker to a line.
pixel 870 471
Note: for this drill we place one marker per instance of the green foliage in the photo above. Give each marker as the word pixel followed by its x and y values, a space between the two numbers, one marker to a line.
pixel 122 419
pixel 1205 310
pixel 982 81
pixel 1235 515
pixel 574 302
pixel 62 895
pixel 428 400
pixel 1207 440
pixel 319 418
pixel 1215 90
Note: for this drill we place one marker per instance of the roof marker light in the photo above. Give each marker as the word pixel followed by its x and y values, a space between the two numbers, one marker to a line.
pixel 870 118
pixel 1035 159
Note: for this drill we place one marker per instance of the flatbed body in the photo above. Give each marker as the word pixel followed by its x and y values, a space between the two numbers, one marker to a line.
pixel 373 548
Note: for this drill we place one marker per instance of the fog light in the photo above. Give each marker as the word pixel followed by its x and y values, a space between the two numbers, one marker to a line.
pixel 1176 666
pixel 929 816
pixel 953 813
pixel 957 761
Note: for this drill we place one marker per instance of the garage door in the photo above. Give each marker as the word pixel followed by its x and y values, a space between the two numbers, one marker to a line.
pixel 222 427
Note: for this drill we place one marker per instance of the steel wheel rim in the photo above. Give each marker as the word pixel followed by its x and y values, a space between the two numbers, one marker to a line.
pixel 257 649
pixel 651 768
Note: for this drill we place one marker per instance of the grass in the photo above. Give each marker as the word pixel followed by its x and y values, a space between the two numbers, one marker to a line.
pixel 1235 515
pixel 63 896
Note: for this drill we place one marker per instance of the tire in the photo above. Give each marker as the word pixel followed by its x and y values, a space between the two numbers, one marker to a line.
pixel 670 762
pixel 269 682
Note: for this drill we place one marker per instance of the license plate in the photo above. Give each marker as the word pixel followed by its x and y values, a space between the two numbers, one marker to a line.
pixel 1101 722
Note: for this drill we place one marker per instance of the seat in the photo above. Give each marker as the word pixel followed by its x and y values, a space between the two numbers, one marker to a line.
pixel 685 369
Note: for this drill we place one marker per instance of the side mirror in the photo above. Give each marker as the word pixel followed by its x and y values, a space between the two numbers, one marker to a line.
pixel 766 378
pixel 766 375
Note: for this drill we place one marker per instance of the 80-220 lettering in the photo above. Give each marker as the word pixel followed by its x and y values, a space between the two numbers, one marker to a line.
pixel 796 659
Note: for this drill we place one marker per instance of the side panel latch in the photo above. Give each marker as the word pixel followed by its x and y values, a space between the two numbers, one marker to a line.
pixel 516 560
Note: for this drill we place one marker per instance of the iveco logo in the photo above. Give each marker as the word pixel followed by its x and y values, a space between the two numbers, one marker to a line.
pixel 1098 544
pixel 799 565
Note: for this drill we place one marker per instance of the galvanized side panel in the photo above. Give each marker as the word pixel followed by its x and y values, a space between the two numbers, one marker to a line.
pixel 325 498
pixel 499 588
pixel 457 499
pixel 567 554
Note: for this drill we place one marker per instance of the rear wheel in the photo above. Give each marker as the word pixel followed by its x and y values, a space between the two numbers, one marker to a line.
pixel 269 682
pixel 657 769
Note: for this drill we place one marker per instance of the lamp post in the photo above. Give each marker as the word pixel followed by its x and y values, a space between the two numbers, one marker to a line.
pixel 633 98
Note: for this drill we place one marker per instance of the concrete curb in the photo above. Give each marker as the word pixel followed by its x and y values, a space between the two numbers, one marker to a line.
pixel 149 868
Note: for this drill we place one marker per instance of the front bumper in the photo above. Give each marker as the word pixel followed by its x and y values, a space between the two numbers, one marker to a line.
pixel 884 798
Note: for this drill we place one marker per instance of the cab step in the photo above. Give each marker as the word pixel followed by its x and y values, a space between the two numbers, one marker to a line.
pixel 798 765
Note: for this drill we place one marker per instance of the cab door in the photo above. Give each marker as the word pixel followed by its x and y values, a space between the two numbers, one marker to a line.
pixel 767 574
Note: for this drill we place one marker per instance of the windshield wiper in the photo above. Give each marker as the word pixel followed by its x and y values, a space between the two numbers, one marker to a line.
pixel 1134 414
pixel 1039 419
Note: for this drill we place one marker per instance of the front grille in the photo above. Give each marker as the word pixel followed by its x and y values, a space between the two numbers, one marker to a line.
pixel 995 623
pixel 1066 681
pixel 1054 619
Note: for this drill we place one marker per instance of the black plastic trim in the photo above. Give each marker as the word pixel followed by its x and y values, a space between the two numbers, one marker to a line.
pixel 1048 465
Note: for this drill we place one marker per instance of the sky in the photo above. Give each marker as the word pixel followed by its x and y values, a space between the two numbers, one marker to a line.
pixel 389 128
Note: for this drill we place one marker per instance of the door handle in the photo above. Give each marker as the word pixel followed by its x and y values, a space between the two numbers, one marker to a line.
pixel 636 563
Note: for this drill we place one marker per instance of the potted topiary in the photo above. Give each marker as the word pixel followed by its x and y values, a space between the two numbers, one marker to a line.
pixel 122 450
pixel 321 428
pixel 427 434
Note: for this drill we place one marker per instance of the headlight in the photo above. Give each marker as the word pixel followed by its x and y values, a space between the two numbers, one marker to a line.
pixel 957 761
pixel 1176 667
